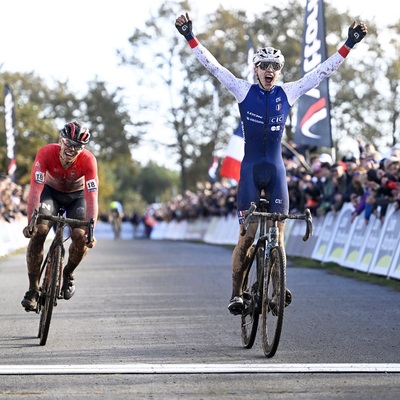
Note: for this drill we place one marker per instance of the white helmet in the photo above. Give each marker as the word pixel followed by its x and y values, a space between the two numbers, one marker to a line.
pixel 269 54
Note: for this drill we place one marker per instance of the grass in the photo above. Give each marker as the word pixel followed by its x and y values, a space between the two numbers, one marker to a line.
pixel 337 269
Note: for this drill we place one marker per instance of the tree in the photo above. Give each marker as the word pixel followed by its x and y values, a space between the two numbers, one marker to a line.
pixel 156 183
pixel 37 108
pixel 105 113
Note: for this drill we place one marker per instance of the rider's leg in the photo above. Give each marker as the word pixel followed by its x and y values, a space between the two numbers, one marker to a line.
pixel 34 255
pixel 240 259
pixel 77 251
pixel 34 259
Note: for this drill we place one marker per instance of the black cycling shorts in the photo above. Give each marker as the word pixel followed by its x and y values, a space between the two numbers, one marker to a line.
pixel 52 200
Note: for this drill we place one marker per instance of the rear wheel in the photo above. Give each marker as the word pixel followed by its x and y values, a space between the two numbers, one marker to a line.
pixel 273 305
pixel 252 290
pixel 48 295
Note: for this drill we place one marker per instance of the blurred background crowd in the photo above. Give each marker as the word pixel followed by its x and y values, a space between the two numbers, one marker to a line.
pixel 369 182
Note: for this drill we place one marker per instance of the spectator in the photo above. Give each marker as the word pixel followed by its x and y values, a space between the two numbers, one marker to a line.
pixel 339 179
pixel 351 164
pixel 326 189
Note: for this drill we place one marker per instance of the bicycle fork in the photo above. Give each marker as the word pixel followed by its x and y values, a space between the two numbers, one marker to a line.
pixel 270 272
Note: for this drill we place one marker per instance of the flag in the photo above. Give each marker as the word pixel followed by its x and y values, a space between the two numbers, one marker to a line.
pixel 230 167
pixel 9 123
pixel 313 115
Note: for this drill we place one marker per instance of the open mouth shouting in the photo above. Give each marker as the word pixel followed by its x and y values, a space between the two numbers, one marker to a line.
pixel 70 150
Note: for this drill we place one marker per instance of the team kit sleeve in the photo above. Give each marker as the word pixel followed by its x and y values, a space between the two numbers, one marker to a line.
pixel 294 90
pixel 311 80
pixel 238 87
pixel 91 188
pixel 38 177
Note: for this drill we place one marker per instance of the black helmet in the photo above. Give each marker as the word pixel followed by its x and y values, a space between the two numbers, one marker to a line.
pixel 76 132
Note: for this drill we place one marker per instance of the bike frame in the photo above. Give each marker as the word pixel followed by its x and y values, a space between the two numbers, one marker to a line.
pixel 52 267
pixel 263 300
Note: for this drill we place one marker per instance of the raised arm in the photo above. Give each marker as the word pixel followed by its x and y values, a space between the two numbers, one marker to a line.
pixel 311 80
pixel 238 87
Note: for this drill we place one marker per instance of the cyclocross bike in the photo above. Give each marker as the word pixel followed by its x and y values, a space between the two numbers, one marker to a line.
pixel 264 285
pixel 52 266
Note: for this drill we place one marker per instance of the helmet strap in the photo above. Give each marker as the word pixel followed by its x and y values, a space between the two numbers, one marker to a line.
pixel 259 82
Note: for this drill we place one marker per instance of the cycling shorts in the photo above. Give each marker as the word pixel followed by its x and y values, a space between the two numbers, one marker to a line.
pixel 52 200
pixel 264 176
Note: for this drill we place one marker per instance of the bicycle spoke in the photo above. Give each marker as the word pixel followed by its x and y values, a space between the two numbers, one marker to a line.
pixel 49 292
pixel 251 299
pixel 274 301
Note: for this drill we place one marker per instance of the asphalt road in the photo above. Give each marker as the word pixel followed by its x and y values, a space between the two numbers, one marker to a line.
pixel 149 320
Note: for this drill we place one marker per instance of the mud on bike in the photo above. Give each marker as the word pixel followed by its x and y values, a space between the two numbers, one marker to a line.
pixel 51 271
pixel 264 285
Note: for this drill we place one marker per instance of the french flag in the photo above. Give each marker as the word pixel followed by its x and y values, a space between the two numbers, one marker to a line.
pixel 230 167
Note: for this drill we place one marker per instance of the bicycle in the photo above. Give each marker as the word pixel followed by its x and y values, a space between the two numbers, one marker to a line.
pixel 264 285
pixel 52 266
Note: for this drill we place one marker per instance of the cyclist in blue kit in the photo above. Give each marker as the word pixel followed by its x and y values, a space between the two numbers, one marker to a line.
pixel 263 108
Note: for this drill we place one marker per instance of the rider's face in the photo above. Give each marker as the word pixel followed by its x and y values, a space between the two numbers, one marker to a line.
pixel 267 77
pixel 69 149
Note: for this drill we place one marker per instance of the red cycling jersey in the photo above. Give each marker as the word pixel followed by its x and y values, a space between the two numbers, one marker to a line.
pixel 81 175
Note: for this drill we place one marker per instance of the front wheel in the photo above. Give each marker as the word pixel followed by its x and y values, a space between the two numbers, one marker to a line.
pixel 273 305
pixel 48 294
pixel 252 289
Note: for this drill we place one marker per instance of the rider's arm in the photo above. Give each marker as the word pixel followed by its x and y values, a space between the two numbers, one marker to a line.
pixel 91 187
pixel 38 175
pixel 238 87
pixel 311 80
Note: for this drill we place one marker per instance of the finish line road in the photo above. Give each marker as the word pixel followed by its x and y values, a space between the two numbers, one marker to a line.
pixel 149 320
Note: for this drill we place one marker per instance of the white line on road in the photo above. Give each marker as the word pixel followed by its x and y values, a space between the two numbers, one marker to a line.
pixel 195 369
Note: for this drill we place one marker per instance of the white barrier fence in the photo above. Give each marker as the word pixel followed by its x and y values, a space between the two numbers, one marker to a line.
pixel 371 248
pixel 11 237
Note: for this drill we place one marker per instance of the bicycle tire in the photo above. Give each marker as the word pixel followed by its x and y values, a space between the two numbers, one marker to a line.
pixel 252 298
pixel 273 305
pixel 49 293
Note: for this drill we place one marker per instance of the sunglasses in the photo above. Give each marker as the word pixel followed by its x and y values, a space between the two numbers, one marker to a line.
pixel 265 65
pixel 70 144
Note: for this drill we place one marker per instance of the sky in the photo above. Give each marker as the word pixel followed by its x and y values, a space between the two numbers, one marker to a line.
pixel 76 41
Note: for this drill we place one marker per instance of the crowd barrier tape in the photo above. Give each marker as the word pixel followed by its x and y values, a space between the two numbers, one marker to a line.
pixel 370 248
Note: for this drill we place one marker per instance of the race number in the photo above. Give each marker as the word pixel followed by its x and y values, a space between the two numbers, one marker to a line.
pixel 91 185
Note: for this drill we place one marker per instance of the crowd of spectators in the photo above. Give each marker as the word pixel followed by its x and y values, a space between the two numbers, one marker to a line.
pixel 13 199
pixel 369 182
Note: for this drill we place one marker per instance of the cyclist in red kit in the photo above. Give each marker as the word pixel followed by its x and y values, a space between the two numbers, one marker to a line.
pixel 64 175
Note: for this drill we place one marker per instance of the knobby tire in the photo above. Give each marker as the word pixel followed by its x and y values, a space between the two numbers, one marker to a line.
pixel 252 298
pixel 49 293
pixel 273 311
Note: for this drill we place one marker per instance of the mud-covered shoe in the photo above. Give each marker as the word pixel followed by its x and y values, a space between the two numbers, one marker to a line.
pixel 236 305
pixel 29 302
pixel 68 287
